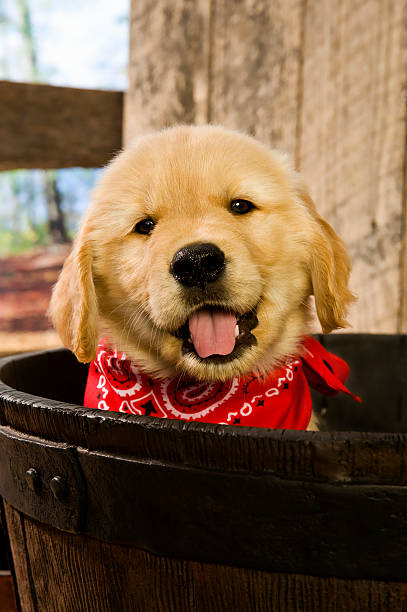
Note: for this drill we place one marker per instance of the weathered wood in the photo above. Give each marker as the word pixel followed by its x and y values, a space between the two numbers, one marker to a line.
pixel 309 528
pixel 228 62
pixel 353 144
pixel 7 596
pixel 149 471
pixel 402 320
pixel 328 503
pixel 324 82
pixel 42 126
pixel 291 453
pixel 21 560
pixel 168 65
pixel 256 68
pixel 86 574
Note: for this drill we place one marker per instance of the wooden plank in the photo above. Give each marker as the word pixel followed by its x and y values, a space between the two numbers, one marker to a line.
pixel 21 561
pixel 86 574
pixel 352 144
pixel 402 322
pixel 42 126
pixel 168 64
pixel 226 61
pixel 256 72
pixel 7 597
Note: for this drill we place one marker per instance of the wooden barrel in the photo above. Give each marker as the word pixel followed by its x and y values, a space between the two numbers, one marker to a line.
pixel 109 511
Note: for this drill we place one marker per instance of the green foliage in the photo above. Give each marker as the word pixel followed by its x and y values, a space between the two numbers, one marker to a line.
pixel 14 243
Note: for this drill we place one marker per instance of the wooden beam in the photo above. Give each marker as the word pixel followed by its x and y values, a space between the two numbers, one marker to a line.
pixel 42 126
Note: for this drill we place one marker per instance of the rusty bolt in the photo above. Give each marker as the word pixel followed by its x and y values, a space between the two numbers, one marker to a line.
pixel 33 479
pixel 59 487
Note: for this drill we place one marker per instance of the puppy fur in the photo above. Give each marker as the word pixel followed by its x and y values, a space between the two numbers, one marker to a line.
pixel 117 282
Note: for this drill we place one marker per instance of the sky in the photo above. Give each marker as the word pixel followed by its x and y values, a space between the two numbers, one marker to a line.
pixel 87 42
pixel 80 43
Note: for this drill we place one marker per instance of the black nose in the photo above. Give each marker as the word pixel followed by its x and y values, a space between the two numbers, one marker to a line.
pixel 195 265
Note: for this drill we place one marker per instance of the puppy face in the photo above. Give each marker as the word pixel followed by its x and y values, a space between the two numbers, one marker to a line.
pixel 198 256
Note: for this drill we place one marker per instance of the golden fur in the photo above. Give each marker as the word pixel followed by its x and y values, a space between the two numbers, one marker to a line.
pixel 118 283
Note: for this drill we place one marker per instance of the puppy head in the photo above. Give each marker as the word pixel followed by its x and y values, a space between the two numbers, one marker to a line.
pixel 198 255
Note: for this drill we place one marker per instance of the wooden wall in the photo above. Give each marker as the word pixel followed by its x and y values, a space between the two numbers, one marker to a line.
pixel 323 80
pixel 353 144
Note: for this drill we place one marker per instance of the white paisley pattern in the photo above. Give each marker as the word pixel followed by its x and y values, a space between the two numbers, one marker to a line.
pixel 203 394
pixel 115 368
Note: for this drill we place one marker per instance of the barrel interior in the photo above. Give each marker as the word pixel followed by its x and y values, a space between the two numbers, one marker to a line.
pixel 53 374
pixel 378 373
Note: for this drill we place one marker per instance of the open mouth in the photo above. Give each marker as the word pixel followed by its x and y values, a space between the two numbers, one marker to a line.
pixel 217 335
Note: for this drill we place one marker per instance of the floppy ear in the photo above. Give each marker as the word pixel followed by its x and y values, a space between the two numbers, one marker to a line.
pixel 330 270
pixel 73 307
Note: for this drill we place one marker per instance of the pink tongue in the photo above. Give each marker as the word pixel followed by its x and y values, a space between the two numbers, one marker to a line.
pixel 212 332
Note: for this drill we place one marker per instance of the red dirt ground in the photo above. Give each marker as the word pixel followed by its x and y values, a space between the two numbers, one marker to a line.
pixel 25 289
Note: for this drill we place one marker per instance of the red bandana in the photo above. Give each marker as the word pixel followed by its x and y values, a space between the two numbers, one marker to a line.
pixel 279 400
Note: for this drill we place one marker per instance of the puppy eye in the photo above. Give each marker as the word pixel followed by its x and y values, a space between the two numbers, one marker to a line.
pixel 241 207
pixel 145 226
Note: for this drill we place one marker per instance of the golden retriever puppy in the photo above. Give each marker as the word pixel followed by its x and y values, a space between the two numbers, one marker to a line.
pixel 198 256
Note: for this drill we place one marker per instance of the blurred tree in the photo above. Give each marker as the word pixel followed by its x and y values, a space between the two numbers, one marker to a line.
pixel 56 222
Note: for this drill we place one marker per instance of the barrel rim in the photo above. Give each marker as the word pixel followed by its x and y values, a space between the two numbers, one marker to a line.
pixel 318 456
pixel 152 423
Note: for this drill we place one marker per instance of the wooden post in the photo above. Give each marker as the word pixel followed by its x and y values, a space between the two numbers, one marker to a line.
pixel 228 62
pixel 168 65
pixel 324 81
pixel 256 68
pixel 352 145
